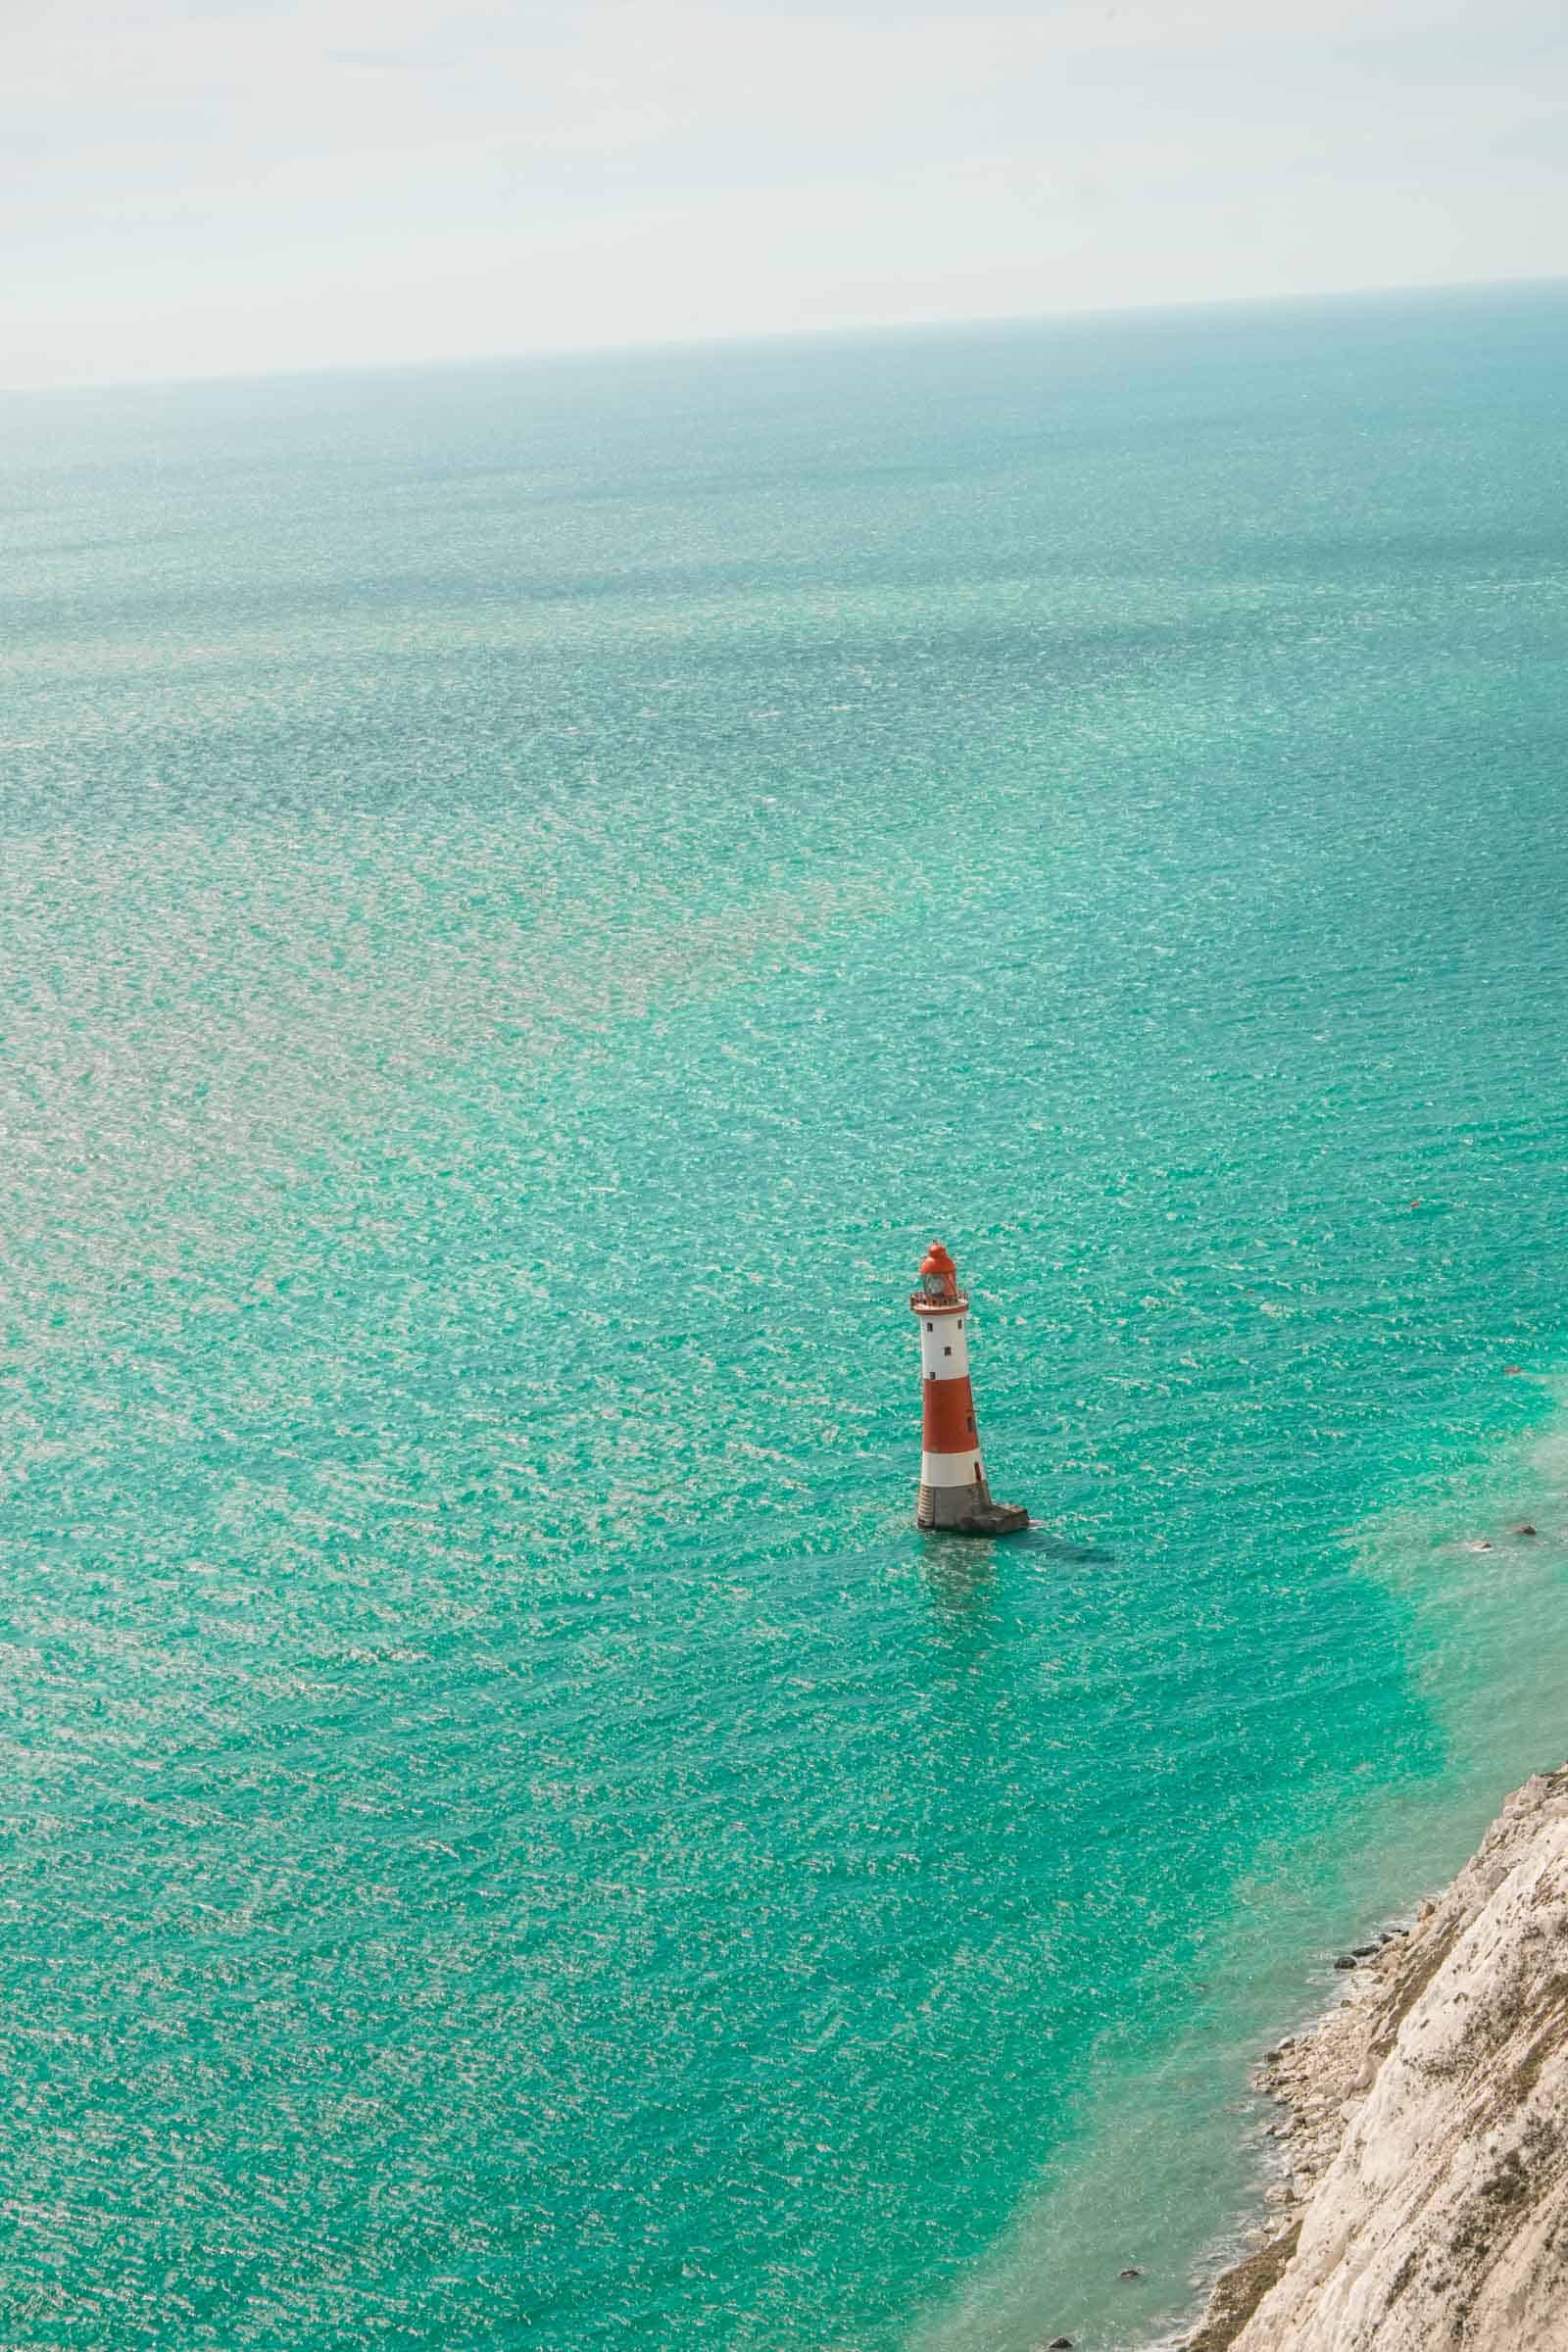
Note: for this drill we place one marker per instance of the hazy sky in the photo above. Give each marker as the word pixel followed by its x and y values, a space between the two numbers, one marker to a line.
pixel 195 189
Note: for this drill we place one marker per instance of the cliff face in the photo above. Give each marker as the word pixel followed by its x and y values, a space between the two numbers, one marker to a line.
pixel 1429 2128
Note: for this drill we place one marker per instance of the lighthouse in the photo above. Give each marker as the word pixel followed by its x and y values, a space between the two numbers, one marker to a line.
pixel 953 1493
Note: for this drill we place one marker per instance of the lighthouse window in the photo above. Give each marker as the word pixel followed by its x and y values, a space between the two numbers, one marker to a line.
pixel 930 1327
pixel 960 1322
pixel 946 1350
pixel 971 1424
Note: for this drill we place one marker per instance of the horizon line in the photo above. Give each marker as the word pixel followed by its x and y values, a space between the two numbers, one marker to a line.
pixel 747 338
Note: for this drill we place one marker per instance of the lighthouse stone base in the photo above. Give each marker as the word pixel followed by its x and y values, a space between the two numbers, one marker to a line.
pixel 963 1511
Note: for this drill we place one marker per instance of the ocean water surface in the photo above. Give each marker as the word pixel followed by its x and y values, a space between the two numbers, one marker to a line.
pixel 529 895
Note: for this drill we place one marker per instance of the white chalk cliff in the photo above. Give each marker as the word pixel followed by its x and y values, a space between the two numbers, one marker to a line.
pixel 1429 2128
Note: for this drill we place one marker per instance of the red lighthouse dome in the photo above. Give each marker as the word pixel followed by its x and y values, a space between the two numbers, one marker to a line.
pixel 939 1276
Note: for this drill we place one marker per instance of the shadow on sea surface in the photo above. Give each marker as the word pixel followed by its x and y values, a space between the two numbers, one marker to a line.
pixel 950 1551
pixel 1040 1542
pixel 960 1569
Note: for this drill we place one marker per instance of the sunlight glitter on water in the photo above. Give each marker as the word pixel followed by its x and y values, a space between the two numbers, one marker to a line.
pixel 516 935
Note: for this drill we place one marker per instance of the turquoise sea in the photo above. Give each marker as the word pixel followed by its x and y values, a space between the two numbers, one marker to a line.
pixel 529 895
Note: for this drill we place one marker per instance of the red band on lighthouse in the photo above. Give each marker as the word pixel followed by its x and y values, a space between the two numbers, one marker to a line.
pixel 948 1417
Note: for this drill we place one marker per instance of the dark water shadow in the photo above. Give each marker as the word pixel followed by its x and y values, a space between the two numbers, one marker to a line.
pixel 1040 1542
pixel 961 1572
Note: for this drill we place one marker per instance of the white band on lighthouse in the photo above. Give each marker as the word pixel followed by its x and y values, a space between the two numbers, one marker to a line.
pixel 952 1470
pixel 944 1346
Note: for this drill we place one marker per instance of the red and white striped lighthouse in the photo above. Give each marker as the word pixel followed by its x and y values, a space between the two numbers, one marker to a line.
pixel 954 1492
